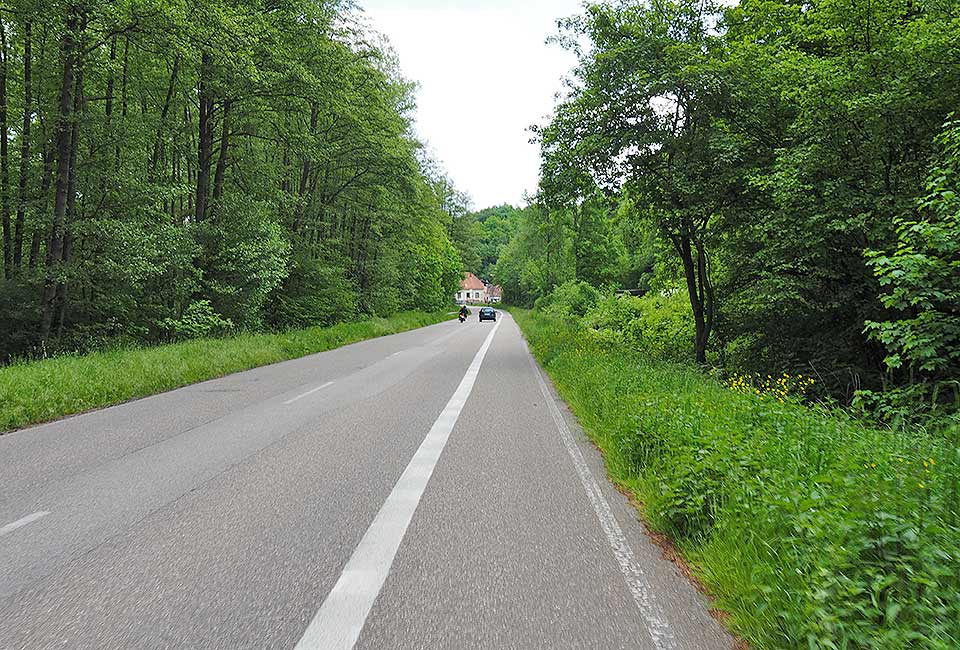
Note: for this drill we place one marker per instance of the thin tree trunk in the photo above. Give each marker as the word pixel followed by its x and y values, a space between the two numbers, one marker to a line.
pixel 683 247
pixel 61 295
pixel 49 162
pixel 24 146
pixel 108 109
pixel 205 143
pixel 164 112
pixel 709 297
pixel 218 178
pixel 305 172
pixel 124 82
pixel 63 142
pixel 5 159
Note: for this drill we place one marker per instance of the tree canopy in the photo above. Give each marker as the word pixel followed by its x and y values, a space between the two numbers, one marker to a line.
pixel 246 162
pixel 788 166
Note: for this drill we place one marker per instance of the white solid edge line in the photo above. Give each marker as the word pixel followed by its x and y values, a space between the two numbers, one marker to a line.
pixel 341 617
pixel 657 627
pixel 309 392
pixel 20 523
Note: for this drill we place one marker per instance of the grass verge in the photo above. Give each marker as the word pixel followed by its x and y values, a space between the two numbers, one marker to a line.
pixel 39 391
pixel 810 529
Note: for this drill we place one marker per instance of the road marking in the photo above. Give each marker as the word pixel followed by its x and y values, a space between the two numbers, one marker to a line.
pixel 20 523
pixel 657 627
pixel 342 615
pixel 309 392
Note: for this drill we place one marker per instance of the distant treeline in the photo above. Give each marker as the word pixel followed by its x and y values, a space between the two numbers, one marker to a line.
pixel 176 167
pixel 791 167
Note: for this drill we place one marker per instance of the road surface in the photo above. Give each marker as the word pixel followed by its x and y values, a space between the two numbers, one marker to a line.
pixel 423 490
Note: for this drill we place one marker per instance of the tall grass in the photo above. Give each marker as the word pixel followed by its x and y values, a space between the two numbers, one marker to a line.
pixel 811 529
pixel 38 391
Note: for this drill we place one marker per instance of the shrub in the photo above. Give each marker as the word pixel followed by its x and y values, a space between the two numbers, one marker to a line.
pixel 199 320
pixel 660 326
pixel 314 293
pixel 572 298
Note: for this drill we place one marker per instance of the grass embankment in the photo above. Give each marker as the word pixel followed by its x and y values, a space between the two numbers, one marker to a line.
pixel 810 529
pixel 39 391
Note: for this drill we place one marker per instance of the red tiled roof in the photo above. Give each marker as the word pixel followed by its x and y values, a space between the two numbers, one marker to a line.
pixel 471 282
pixel 494 291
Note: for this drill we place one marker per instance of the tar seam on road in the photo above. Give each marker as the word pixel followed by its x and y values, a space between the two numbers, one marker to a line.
pixel 309 392
pixel 339 621
pixel 633 575
pixel 20 523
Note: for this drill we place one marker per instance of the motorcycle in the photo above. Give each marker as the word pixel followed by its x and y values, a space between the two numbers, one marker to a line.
pixel 462 317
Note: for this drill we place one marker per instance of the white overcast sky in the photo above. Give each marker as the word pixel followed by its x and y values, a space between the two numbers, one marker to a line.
pixel 485 76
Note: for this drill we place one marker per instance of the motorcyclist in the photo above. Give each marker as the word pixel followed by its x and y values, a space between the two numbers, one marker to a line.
pixel 463 313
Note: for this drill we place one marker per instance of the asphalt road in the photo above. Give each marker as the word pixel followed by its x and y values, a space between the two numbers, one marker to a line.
pixel 424 490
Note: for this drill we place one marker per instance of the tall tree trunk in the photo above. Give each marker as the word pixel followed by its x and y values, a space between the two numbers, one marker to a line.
pixel 708 297
pixel 108 108
pixel 205 139
pixel 49 162
pixel 63 148
pixel 24 145
pixel 61 294
pixel 305 172
pixel 164 112
pixel 124 84
pixel 5 158
pixel 684 248
pixel 218 178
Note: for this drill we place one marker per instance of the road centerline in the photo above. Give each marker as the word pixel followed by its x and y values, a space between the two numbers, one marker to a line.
pixel 308 393
pixel 341 617
pixel 20 523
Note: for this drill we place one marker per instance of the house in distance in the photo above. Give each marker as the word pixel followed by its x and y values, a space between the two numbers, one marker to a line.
pixel 474 291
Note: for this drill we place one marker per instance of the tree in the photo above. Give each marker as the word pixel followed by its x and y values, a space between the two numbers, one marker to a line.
pixel 921 277
pixel 646 114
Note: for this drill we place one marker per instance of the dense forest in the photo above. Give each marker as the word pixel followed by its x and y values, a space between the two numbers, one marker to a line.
pixel 174 168
pixel 792 169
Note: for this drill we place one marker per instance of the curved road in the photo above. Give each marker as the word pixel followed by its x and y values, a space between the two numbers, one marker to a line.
pixel 423 490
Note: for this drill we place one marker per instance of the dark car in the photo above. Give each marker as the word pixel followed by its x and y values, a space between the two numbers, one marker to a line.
pixel 488 313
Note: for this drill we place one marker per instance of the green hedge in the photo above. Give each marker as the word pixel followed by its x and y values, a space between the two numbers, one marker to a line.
pixel 811 529
pixel 38 391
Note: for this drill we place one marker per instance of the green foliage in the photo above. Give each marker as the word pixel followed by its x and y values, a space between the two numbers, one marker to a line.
pixel 756 151
pixel 199 320
pixel 921 277
pixel 811 529
pixel 497 227
pixel 314 293
pixel 245 255
pixel 659 326
pixel 538 258
pixel 258 158
pixel 574 298
pixel 32 392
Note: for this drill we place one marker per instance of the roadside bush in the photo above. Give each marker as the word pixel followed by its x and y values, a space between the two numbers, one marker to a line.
pixel 199 320
pixel 314 293
pixel 660 326
pixel 811 529
pixel 573 298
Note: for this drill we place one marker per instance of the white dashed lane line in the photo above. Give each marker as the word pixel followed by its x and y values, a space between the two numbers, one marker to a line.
pixel 20 523
pixel 308 393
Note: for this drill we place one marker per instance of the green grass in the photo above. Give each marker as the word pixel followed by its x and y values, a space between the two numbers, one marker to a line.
pixel 810 528
pixel 38 391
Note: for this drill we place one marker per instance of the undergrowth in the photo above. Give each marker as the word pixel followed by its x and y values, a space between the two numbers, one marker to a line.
pixel 38 391
pixel 811 529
